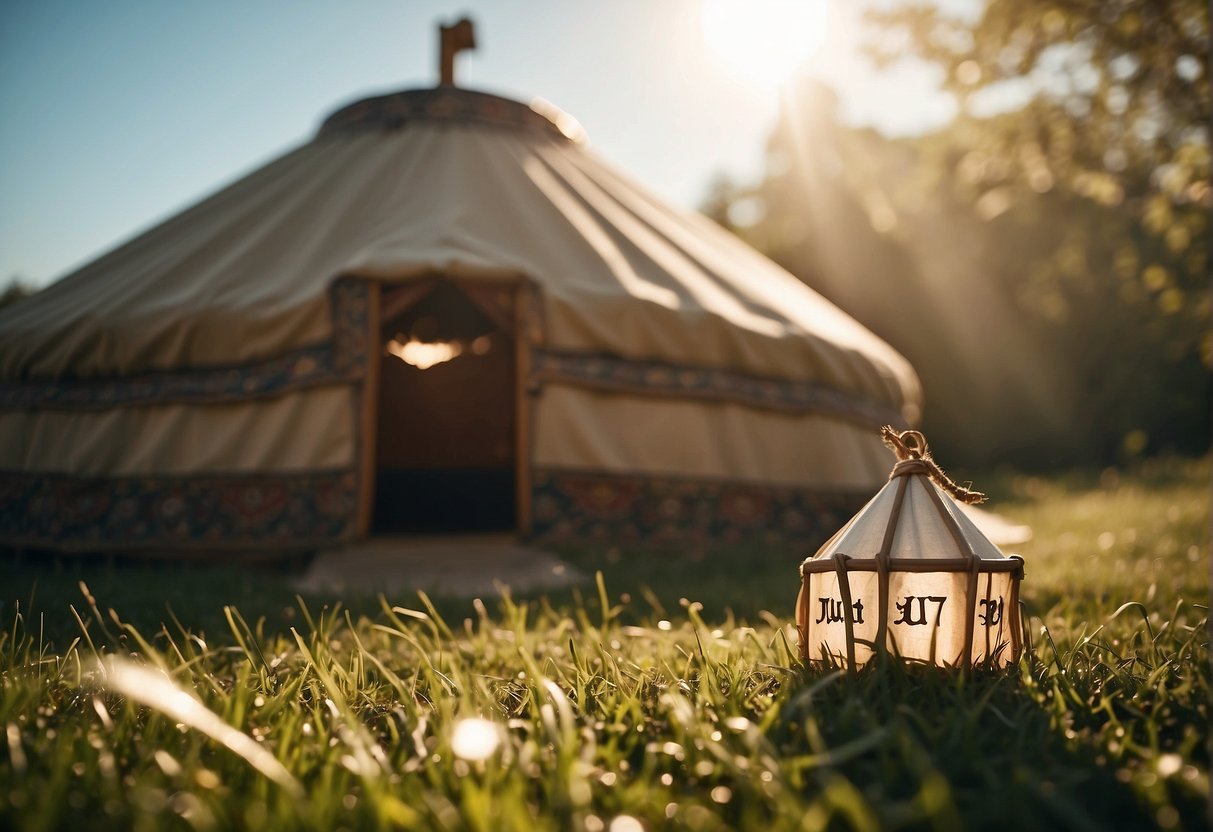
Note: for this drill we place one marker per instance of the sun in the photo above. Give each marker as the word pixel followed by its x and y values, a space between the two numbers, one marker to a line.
pixel 765 41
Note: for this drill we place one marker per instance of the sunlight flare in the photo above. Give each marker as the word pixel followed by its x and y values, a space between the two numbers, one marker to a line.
pixel 157 691
pixel 475 739
pixel 423 354
pixel 765 41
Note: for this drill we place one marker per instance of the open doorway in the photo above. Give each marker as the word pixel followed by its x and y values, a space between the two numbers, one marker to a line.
pixel 446 455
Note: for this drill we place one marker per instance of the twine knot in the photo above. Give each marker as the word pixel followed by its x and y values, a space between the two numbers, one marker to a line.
pixel 914 457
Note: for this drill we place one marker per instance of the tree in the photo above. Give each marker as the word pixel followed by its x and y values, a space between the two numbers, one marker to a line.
pixel 871 225
pixel 1096 113
pixel 1043 260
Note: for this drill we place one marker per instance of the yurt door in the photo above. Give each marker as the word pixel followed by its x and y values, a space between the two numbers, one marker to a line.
pixel 446 438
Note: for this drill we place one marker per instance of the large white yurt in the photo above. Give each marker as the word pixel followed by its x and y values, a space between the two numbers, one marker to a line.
pixel 443 312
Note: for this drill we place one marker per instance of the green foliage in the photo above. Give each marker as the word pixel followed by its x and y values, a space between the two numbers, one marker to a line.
pixel 1102 119
pixel 1043 260
pixel 598 709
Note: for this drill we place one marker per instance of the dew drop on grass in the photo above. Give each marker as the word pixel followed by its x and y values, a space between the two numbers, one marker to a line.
pixel 1169 764
pixel 474 739
pixel 664 625
pixel 206 778
pixel 168 764
pixel 722 794
pixel 667 779
pixel 626 823
pixel 1167 817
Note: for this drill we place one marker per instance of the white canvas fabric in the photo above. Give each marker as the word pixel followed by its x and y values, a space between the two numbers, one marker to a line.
pixel 303 431
pixel 939 641
pixel 580 429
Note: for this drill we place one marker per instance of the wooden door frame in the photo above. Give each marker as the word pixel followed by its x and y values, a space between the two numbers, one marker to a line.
pixel 522 411
pixel 369 427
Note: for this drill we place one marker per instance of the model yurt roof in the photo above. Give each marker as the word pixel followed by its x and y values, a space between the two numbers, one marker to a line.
pixel 912 518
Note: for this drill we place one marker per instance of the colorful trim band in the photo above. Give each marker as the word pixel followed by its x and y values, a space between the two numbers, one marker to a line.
pixel 342 359
pixel 621 508
pixel 655 378
pixel 233 511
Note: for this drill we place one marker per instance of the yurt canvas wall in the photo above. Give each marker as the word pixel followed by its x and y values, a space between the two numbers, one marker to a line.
pixel 220 381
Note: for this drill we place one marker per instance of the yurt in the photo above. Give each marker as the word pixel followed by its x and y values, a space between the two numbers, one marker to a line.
pixel 444 312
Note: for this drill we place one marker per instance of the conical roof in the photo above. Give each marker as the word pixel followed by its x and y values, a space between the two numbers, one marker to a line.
pixel 444 182
pixel 917 520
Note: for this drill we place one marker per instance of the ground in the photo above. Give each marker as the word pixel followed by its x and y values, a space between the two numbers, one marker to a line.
pixel 666 695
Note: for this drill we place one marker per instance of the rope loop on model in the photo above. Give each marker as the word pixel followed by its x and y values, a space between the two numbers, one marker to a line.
pixel 914 457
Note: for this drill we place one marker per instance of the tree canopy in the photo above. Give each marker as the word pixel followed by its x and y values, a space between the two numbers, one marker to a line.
pixel 1043 260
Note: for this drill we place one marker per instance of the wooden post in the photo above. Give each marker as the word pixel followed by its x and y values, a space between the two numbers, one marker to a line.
pixel 368 428
pixel 882 568
pixel 522 408
pixel 844 589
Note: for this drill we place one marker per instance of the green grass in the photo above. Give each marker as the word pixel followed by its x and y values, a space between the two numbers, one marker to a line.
pixel 679 714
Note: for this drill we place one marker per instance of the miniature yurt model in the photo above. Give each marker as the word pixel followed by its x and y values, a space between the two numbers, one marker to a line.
pixel 443 312
pixel 911 575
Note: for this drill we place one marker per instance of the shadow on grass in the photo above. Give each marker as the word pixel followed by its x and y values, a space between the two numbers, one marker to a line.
pixel 742 580
pixel 935 749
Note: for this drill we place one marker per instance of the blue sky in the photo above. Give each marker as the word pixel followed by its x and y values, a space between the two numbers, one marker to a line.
pixel 117 114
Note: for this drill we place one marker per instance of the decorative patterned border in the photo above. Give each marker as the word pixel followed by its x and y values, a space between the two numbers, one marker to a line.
pixel 579 506
pixel 296 511
pixel 651 377
pixel 441 104
pixel 343 359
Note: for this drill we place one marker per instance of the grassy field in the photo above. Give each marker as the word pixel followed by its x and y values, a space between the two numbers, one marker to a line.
pixel 629 708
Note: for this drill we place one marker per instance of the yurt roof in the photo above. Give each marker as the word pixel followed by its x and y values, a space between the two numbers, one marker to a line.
pixel 449 182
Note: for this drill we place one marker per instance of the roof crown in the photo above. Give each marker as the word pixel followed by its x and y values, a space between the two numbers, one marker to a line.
pixel 450 105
